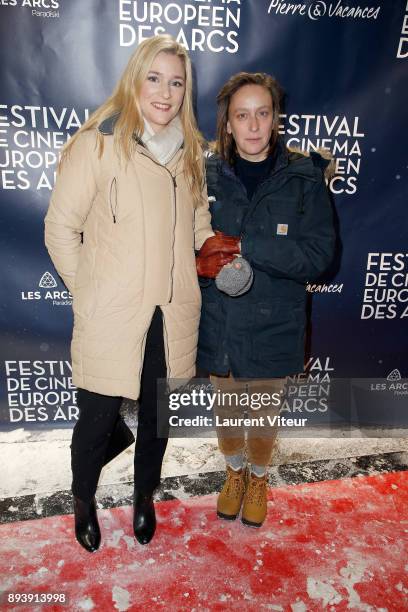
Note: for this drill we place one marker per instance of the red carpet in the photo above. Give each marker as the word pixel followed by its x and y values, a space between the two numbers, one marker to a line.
pixel 334 545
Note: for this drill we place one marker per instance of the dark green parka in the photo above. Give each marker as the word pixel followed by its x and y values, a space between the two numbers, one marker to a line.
pixel 287 235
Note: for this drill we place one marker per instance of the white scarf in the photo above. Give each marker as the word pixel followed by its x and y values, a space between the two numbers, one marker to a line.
pixel 164 144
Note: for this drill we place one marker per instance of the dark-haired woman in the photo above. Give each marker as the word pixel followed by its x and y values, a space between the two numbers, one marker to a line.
pixel 276 202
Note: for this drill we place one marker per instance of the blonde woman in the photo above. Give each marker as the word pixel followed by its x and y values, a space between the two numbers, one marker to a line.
pixel 125 216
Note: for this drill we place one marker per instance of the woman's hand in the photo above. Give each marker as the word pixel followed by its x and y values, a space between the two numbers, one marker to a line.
pixel 220 243
pixel 211 265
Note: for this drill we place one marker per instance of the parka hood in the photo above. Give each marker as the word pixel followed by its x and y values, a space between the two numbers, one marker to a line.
pixel 322 158
pixel 296 161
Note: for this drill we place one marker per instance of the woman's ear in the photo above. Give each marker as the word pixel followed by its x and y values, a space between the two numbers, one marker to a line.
pixel 229 131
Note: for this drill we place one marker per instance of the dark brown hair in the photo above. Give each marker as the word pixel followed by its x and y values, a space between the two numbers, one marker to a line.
pixel 225 144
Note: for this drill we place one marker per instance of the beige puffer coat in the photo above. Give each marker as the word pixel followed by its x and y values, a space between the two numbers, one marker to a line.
pixel 139 233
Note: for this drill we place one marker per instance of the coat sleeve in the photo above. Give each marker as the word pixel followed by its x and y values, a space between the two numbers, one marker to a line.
pixel 70 203
pixel 202 221
pixel 307 257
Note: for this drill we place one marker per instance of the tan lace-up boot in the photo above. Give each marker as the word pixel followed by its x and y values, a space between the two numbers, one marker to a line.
pixel 230 499
pixel 254 507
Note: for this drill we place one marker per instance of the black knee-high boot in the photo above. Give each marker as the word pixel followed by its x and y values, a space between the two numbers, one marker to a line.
pixel 150 449
pixel 98 416
pixel 87 530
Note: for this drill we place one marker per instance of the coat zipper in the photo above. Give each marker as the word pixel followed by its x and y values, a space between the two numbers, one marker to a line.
pixel 173 178
pixel 174 198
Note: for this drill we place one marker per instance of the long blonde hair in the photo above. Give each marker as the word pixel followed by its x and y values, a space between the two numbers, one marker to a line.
pixel 124 102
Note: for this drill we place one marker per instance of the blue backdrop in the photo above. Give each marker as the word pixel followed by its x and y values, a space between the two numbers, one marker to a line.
pixel 344 70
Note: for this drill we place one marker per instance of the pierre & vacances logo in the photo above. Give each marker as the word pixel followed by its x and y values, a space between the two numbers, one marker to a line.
pixel 48 291
pixel 318 9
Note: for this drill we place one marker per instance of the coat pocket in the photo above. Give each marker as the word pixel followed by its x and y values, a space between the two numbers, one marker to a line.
pixel 277 331
pixel 284 219
pixel 85 291
pixel 85 300
pixel 283 226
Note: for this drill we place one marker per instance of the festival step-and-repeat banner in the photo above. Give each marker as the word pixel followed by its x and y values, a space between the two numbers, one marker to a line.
pixel 343 66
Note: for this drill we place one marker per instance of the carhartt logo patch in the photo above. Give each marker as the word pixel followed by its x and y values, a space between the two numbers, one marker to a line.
pixel 282 229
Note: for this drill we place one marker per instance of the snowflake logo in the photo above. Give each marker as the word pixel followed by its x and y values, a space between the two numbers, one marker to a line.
pixel 47 281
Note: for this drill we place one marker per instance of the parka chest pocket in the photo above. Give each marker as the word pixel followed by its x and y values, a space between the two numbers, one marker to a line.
pixel 113 198
pixel 119 204
pixel 284 218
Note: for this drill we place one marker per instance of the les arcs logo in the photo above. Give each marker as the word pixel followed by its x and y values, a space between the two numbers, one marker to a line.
pixel 48 291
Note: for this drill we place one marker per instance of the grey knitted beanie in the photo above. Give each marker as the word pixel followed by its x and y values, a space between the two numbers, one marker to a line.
pixel 235 278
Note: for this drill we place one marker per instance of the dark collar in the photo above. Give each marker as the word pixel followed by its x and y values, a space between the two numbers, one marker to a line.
pixel 108 125
pixel 293 163
pixel 280 154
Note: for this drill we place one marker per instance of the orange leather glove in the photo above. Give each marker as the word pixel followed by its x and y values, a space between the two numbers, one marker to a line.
pixel 220 243
pixel 211 265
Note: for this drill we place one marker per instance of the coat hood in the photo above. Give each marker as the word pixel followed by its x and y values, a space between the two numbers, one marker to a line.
pixel 295 161
pixel 322 158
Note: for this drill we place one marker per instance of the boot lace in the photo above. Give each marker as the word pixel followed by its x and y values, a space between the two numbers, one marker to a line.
pixel 234 485
pixel 256 491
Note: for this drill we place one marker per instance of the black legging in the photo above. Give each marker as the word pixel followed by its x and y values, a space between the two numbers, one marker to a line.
pixel 97 417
